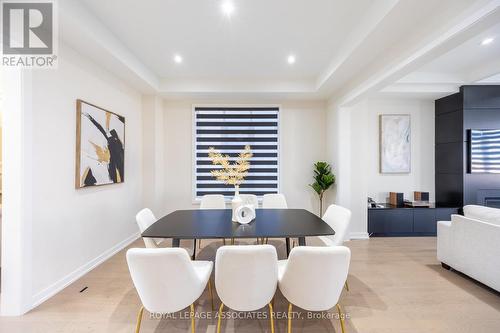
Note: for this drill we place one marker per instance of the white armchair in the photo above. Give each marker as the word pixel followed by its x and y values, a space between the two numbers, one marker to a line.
pixel 470 244
pixel 167 280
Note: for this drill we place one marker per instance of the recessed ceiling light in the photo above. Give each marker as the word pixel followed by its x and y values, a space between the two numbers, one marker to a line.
pixel 227 8
pixel 291 59
pixel 177 58
pixel 487 41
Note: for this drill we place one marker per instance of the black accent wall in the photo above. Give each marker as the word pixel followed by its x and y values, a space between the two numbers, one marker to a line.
pixel 474 107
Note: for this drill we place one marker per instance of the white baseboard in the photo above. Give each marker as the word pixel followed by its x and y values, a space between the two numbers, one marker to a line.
pixel 359 235
pixel 56 287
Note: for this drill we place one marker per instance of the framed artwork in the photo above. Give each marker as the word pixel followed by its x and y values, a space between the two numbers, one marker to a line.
pixel 100 146
pixel 395 143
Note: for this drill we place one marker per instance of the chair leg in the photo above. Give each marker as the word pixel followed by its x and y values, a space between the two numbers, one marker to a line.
pixel 139 320
pixel 271 316
pixel 290 317
pixel 341 317
pixel 346 285
pixel 211 293
pixel 192 318
pixel 199 244
pixel 232 241
pixel 223 241
pixel 220 317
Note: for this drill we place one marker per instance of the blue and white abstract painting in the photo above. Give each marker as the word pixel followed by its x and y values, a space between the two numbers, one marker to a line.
pixel 395 143
pixel 484 151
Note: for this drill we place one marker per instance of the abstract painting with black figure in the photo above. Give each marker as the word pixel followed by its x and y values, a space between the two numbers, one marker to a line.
pixel 100 146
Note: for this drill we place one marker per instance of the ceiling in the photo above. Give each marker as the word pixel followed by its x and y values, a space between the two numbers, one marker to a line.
pixel 253 43
pixel 344 49
pixel 468 63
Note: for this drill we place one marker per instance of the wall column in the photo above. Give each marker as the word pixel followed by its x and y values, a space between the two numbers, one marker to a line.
pixel 16 192
pixel 154 154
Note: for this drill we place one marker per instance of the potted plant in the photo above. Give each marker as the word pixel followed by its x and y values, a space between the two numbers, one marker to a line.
pixel 323 180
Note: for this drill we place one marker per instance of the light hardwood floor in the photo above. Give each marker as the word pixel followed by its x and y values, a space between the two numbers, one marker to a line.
pixel 396 284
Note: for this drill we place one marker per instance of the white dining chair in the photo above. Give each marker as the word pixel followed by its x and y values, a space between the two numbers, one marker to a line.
pixel 273 201
pixel 338 218
pixel 212 201
pixel 167 280
pixel 246 278
pixel 250 199
pixel 145 218
pixel 312 278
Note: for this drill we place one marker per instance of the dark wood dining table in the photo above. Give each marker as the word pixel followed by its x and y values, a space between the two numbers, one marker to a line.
pixel 217 224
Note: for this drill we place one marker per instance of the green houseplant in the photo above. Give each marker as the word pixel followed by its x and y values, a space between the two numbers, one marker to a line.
pixel 323 180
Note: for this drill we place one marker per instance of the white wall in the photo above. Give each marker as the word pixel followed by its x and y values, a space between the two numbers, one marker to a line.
pixel 362 177
pixel 75 229
pixel 302 135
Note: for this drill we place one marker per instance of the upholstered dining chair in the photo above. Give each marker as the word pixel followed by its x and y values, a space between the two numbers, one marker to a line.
pixel 312 278
pixel 212 201
pixel 145 218
pixel 338 218
pixel 246 278
pixel 273 201
pixel 167 280
pixel 250 199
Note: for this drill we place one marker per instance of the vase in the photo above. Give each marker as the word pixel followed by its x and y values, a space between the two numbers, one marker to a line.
pixel 236 202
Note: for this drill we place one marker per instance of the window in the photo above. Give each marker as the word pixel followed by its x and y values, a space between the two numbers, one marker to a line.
pixel 229 129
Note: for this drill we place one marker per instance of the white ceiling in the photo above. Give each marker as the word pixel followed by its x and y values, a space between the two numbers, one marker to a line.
pixel 253 43
pixel 344 49
pixel 468 63
pixel 470 55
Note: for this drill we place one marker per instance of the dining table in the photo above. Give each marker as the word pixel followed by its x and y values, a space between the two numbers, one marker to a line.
pixel 217 224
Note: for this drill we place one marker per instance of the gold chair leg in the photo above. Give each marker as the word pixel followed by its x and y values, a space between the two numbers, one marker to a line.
pixel 271 316
pixel 139 320
pixel 290 317
pixel 223 241
pixel 346 285
pixel 341 318
pixel 232 241
pixel 211 293
pixel 220 317
pixel 192 318
pixel 199 244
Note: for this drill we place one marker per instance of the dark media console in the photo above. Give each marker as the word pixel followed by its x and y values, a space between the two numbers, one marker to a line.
pixel 390 220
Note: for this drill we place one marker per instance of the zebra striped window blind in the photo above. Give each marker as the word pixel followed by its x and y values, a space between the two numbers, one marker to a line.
pixel 229 129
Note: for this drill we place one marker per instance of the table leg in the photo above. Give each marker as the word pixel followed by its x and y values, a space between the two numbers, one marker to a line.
pixel 302 241
pixel 194 250
pixel 287 247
